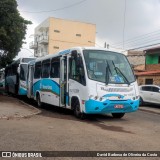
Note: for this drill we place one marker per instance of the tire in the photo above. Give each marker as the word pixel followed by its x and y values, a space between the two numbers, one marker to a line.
pixel 39 103
pixel 118 115
pixel 7 89
pixel 141 102
pixel 77 111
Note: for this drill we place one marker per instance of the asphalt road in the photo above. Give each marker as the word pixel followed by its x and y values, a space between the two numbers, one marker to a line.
pixel 58 130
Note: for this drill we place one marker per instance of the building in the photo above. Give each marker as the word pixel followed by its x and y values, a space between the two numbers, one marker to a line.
pixel 137 59
pixel 151 75
pixel 55 34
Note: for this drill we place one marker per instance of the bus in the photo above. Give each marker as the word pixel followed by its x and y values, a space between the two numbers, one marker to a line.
pixel 15 76
pixel 86 80
pixel 2 81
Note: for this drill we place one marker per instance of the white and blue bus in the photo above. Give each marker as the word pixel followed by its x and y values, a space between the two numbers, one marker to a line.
pixel 86 80
pixel 16 76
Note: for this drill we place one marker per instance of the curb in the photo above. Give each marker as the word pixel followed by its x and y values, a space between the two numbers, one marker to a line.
pixel 149 111
pixel 25 116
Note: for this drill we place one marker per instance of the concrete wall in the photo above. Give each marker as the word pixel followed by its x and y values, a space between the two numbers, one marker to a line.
pixel 156 79
pixel 63 34
pixel 152 67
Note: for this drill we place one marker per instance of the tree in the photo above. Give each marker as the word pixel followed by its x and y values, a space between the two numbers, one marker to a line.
pixel 12 31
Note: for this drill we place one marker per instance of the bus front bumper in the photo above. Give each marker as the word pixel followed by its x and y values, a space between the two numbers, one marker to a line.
pixel 109 106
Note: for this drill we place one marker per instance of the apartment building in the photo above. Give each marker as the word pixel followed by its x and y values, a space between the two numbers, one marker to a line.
pixel 56 34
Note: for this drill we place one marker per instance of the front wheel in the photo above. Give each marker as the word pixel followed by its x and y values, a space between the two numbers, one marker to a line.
pixel 39 103
pixel 78 113
pixel 118 115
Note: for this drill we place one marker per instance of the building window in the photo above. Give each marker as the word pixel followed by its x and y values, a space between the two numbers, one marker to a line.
pixel 55 47
pixel 78 35
pixel 57 31
pixel 148 81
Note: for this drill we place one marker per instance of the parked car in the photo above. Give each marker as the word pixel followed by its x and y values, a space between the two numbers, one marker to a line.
pixel 149 94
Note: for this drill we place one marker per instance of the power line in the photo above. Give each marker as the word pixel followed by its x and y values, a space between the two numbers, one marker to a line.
pixel 134 38
pixel 58 9
pixel 143 47
pixel 142 40
pixel 141 43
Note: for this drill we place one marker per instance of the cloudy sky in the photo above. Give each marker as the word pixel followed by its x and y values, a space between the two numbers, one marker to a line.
pixel 123 24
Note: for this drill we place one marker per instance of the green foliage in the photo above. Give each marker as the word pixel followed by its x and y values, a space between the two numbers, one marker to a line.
pixel 12 31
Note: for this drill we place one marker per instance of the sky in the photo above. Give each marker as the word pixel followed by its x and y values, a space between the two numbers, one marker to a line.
pixel 123 24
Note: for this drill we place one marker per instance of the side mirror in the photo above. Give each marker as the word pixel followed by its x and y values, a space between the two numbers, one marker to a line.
pixel 74 54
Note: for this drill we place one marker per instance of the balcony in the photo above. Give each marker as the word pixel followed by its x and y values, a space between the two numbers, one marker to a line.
pixel 33 45
pixel 43 40
pixel 41 54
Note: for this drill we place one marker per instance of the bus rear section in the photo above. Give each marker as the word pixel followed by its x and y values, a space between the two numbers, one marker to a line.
pixel 16 76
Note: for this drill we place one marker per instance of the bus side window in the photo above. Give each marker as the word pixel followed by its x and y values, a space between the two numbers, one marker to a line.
pixel 46 68
pixel 37 72
pixel 77 70
pixel 55 68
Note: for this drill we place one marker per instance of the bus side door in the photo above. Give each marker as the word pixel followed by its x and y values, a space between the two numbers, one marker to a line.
pixel 30 82
pixel 63 81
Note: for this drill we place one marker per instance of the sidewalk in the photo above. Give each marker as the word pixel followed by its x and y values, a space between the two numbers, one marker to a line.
pixel 13 108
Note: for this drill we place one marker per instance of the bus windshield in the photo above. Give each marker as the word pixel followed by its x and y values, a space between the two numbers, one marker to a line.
pixel 108 67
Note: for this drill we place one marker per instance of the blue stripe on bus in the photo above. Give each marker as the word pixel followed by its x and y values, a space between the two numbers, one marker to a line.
pixel 22 91
pixel 42 84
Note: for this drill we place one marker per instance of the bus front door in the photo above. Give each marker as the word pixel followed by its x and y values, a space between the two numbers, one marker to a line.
pixel 30 82
pixel 63 81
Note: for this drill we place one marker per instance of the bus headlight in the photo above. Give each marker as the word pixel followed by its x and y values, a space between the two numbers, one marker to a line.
pixel 136 97
pixel 96 97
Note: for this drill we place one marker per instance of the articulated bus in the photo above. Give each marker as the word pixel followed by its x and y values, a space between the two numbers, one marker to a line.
pixel 15 76
pixel 86 80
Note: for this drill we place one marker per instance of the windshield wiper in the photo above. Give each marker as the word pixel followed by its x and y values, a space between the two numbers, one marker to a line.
pixel 107 72
pixel 118 70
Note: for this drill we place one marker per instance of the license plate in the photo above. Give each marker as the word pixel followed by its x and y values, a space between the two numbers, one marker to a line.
pixel 118 106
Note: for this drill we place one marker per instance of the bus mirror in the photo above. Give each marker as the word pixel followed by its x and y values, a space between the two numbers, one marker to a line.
pixel 74 54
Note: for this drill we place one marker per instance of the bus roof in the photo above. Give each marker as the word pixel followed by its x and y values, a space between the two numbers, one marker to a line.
pixel 67 51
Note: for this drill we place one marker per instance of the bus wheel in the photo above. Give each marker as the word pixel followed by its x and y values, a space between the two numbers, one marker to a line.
pixel 7 89
pixel 78 113
pixel 118 115
pixel 39 103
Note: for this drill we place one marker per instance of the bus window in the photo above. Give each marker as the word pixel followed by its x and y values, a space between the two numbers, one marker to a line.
pixel 23 72
pixel 77 70
pixel 45 69
pixel 55 68
pixel 37 72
